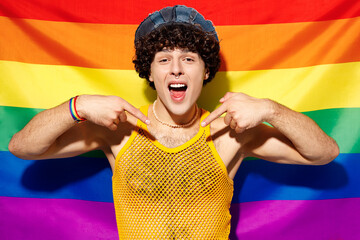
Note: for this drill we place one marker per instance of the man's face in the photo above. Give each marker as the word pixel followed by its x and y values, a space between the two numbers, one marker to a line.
pixel 178 76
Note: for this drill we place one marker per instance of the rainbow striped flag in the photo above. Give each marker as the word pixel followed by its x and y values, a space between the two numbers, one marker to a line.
pixel 304 54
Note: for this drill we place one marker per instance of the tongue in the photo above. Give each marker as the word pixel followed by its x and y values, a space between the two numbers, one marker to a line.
pixel 177 95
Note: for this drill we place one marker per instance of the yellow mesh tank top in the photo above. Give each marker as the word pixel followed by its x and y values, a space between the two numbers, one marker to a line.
pixel 171 193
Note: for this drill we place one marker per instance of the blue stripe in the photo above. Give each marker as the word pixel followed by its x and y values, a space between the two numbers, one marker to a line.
pixel 80 178
pixel 259 180
pixel 90 179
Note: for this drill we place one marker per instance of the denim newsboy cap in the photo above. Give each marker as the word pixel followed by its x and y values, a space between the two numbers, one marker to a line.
pixel 175 14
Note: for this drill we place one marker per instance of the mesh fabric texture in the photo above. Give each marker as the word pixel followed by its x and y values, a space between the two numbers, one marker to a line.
pixel 171 193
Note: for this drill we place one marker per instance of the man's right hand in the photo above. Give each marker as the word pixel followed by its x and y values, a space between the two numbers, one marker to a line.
pixel 107 111
pixel 56 136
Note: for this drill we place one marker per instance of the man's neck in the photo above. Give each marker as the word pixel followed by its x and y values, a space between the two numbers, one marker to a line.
pixel 166 117
pixel 173 137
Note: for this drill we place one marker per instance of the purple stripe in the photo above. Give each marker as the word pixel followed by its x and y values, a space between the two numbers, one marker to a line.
pixel 42 219
pixel 56 219
pixel 332 219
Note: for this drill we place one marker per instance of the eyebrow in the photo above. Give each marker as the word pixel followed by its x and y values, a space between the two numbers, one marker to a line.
pixel 169 50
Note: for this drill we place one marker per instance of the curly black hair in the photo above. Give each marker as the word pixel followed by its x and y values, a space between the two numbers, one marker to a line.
pixel 177 35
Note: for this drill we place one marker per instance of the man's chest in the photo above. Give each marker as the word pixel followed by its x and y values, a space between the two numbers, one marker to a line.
pixel 172 138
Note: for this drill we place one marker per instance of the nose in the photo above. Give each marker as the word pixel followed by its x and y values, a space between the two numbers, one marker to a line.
pixel 177 68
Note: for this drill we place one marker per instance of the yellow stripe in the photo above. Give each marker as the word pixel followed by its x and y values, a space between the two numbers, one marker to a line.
pixel 303 89
pixel 45 86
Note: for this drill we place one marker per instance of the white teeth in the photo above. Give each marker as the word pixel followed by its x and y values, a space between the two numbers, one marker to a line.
pixel 177 85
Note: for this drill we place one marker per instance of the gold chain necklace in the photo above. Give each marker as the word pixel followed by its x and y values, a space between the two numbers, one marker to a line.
pixel 175 125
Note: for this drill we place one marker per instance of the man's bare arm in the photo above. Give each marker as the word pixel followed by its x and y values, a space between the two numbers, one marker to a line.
pixel 41 132
pixel 53 133
pixel 295 138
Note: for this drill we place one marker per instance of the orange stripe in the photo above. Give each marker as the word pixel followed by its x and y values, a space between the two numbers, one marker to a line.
pixel 249 47
pixel 64 43
pixel 291 45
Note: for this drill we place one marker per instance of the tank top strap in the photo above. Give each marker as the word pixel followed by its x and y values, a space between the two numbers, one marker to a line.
pixel 204 114
pixel 144 109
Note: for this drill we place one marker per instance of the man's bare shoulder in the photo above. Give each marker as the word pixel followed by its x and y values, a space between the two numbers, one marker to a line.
pixel 234 147
pixel 123 128
pixel 226 138
pixel 218 126
pixel 219 129
pixel 114 140
pixel 228 144
pixel 109 137
pixel 222 134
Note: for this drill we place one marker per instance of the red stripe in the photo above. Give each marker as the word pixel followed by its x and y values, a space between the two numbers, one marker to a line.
pixel 224 12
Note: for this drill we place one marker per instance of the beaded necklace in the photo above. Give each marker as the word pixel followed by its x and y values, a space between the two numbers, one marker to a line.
pixel 175 125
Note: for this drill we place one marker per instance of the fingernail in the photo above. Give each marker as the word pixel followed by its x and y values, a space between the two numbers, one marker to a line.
pixel 203 124
pixel 147 122
pixel 221 99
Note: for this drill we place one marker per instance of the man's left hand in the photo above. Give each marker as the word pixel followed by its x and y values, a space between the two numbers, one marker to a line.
pixel 242 111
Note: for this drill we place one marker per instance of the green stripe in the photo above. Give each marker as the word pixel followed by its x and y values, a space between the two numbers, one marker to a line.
pixel 13 119
pixel 341 123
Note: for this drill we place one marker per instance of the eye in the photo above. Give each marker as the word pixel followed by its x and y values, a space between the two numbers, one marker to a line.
pixel 189 59
pixel 162 60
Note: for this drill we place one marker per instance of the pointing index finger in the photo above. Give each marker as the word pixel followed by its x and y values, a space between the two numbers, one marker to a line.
pixel 136 113
pixel 214 115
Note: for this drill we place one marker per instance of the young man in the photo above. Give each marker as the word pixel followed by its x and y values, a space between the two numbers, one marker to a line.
pixel 173 163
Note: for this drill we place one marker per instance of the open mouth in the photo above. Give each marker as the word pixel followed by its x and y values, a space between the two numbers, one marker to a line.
pixel 177 87
pixel 177 91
